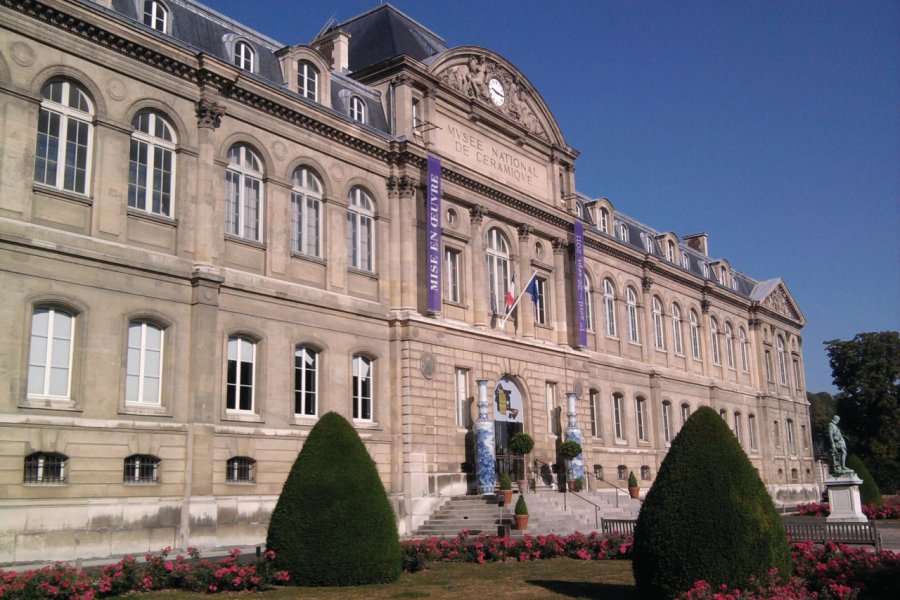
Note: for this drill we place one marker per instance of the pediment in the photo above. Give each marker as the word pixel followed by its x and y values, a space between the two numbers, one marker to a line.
pixel 469 71
pixel 776 297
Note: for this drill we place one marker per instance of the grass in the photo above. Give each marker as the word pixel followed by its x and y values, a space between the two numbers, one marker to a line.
pixel 556 578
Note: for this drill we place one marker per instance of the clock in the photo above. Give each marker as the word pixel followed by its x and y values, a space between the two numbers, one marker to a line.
pixel 496 91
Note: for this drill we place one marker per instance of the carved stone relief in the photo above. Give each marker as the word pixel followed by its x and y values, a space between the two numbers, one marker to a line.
pixel 779 302
pixel 471 79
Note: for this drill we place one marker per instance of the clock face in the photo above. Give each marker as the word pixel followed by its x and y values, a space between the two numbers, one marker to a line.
pixel 498 94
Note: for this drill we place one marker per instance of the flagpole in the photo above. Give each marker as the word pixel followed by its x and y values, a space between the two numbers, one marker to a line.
pixel 516 303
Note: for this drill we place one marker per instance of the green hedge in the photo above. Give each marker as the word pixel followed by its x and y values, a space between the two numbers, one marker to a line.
pixel 868 491
pixel 333 524
pixel 707 516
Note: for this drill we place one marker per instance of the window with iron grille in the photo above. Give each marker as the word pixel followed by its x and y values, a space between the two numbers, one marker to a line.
pixel 141 468
pixel 240 469
pixel 45 468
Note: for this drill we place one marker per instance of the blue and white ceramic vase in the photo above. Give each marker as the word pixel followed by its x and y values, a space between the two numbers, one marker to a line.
pixel 573 434
pixel 485 469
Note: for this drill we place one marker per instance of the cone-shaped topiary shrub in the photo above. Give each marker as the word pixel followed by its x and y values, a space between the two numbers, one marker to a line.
pixel 868 491
pixel 333 524
pixel 707 516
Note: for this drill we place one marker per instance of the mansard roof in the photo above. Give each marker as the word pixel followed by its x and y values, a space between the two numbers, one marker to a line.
pixel 384 33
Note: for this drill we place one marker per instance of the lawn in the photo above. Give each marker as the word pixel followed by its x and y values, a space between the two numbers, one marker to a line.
pixel 555 578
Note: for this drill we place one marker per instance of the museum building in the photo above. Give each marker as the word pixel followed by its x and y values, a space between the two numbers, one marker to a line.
pixel 209 238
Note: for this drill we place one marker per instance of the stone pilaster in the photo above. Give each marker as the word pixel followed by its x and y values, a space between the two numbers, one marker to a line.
pixel 479 276
pixel 526 306
pixel 560 254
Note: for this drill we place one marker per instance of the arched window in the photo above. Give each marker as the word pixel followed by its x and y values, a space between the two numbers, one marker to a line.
pixel 640 413
pixel 751 429
pixel 141 468
pixel 631 304
pixel 622 472
pixel 729 345
pixel 695 334
pixel 734 284
pixel 498 269
pixel 362 388
pixel 623 232
pixel 670 251
pixel 776 434
pixel 306 381
pixel 742 336
pixel 243 193
pixel 705 268
pixel 667 420
pixel 714 339
pixel 737 427
pixel 143 370
pixel 685 260
pixel 676 329
pixel 63 152
pixel 782 364
pixel 50 353
pixel 792 446
pixel 617 416
pixel 357 109
pixel 306 212
pixel 685 412
pixel 723 276
pixel 361 230
pixel 595 413
pixel 609 303
pixel 308 80
pixel 244 56
pixel 659 334
pixel 604 220
pixel 46 468
pixel 240 469
pixel 241 371
pixel 648 244
pixel 588 309
pixel 156 15
pixel 645 473
pixel 151 169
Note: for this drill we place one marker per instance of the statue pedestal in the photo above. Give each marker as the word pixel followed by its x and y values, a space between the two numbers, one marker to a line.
pixel 843 497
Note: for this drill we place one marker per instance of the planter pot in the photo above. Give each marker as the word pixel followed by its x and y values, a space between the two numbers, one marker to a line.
pixel 570 484
pixel 521 522
pixel 507 496
pixel 634 492
pixel 523 485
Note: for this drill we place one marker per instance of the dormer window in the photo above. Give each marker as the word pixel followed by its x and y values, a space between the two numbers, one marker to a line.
pixel 648 244
pixel 733 283
pixel 685 260
pixel 604 220
pixel 357 109
pixel 705 269
pixel 156 15
pixel 244 56
pixel 623 232
pixel 670 251
pixel 308 81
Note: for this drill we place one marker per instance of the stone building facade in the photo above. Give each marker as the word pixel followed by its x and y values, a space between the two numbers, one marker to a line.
pixel 209 238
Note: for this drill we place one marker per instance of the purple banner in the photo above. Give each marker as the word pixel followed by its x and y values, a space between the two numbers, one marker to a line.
pixel 579 284
pixel 433 258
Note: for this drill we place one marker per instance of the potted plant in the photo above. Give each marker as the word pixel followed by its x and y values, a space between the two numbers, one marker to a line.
pixel 521 515
pixel 579 485
pixel 633 490
pixel 506 487
pixel 569 450
pixel 520 445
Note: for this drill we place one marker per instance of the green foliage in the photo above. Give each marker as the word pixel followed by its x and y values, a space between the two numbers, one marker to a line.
pixel 505 481
pixel 707 516
pixel 579 485
pixel 521 507
pixel 333 524
pixel 632 480
pixel 521 444
pixel 868 491
pixel 570 449
pixel 866 369
pixel 822 407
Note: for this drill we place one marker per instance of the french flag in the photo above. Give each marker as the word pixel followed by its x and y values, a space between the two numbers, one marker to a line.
pixel 511 293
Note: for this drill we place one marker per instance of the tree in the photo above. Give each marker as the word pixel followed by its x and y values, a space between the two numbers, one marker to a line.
pixel 822 407
pixel 708 516
pixel 333 524
pixel 868 491
pixel 866 370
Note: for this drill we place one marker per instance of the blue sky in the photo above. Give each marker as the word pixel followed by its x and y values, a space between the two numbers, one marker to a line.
pixel 772 126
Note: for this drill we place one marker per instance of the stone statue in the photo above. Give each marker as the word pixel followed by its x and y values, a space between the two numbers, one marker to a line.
pixel 838 448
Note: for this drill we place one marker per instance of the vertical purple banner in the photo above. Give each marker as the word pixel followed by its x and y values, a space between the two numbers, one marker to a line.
pixel 579 284
pixel 433 258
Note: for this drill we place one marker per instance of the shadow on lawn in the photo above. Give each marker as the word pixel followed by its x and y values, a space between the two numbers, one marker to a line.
pixel 583 589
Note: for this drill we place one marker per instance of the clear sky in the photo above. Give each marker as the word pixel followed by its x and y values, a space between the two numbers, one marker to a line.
pixel 772 126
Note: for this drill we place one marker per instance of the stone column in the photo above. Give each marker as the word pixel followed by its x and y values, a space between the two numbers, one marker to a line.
pixel 408 247
pixel 479 276
pixel 209 224
pixel 648 348
pixel 705 340
pixel 756 356
pixel 560 253
pixel 393 272
pixel 526 306
pixel 485 467
pixel 573 434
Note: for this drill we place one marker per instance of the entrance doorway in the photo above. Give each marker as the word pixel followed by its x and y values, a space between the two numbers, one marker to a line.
pixel 508 421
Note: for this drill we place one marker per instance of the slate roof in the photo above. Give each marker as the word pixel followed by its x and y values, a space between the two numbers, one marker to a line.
pixel 384 33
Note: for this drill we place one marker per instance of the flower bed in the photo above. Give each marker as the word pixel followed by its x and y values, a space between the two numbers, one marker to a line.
pixel 157 573
pixel 890 510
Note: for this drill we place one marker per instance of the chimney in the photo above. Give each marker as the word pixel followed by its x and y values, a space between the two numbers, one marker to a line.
pixel 335 45
pixel 698 242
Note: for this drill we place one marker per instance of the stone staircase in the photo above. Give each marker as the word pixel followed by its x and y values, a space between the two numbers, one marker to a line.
pixel 549 512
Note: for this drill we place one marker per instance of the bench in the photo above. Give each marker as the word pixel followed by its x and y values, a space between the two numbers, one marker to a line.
pixel 842 533
pixel 618 526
